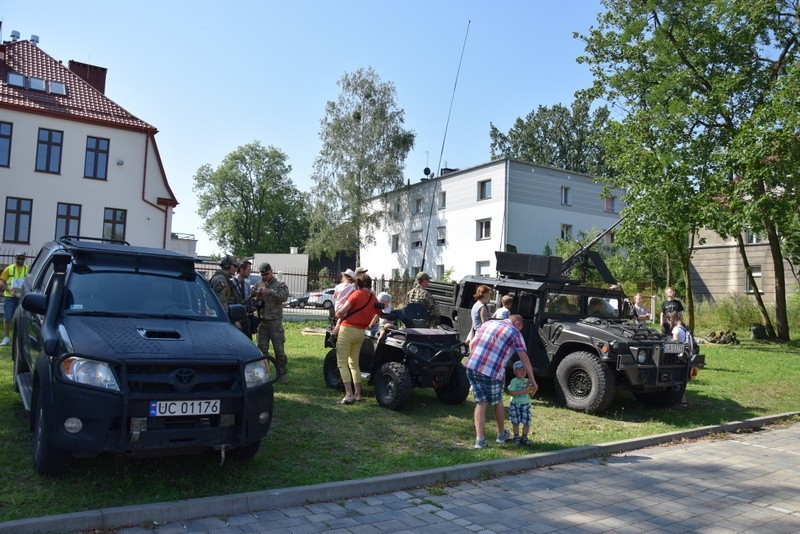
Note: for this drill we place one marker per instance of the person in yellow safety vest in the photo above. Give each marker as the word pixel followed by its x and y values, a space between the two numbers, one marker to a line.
pixel 11 285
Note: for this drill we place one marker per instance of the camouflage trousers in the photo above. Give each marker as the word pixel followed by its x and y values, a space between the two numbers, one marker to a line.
pixel 272 331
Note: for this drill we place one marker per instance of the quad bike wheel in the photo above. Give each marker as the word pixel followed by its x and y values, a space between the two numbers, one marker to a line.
pixel 393 386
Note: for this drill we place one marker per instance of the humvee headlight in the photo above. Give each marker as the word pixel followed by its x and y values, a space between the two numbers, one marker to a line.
pixel 89 372
pixel 412 348
pixel 640 355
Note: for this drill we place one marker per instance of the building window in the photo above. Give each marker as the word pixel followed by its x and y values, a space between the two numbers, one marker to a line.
pixel 482 268
pixel 16 79
pixel 17 228
pixel 484 190
pixel 5 143
pixel 395 274
pixel 566 232
pixel 440 272
pixel 752 238
pixel 396 209
pixel 68 219
pixel 416 239
pixel 418 205
pixel 48 151
pixel 565 200
pixel 610 204
pixel 608 239
pixel 483 229
pixel 96 163
pixel 415 270
pixel 37 84
pixel 114 221
pixel 748 288
pixel 442 200
pixel 441 235
pixel 395 243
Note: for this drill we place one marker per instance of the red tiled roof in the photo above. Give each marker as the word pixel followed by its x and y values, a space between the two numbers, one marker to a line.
pixel 82 101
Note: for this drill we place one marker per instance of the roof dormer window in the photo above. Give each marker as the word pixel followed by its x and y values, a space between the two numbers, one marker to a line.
pixel 15 79
pixel 58 88
pixel 37 84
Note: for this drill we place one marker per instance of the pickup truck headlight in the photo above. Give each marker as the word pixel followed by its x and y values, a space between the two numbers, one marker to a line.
pixel 89 372
pixel 256 373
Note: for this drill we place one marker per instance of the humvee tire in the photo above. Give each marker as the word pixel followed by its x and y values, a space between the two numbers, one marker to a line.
pixel 584 383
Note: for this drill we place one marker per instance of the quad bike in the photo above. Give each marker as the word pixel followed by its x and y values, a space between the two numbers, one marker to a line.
pixel 403 358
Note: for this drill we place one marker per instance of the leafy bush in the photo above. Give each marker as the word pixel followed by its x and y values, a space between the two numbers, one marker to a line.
pixel 793 310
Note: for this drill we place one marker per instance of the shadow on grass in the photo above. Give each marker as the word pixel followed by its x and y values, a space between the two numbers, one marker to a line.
pixel 315 440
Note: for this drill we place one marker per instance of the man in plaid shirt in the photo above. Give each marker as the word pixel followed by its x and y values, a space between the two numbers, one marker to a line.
pixel 489 351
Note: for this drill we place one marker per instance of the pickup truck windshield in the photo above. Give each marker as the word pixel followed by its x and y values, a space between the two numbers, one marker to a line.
pixel 140 294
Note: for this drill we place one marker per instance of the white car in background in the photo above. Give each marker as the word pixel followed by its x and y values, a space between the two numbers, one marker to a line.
pixel 321 299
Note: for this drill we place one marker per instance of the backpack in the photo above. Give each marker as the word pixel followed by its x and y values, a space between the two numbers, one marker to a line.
pixel 692 348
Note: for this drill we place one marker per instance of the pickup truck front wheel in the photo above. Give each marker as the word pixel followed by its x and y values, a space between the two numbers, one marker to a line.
pixel 47 460
pixel 584 383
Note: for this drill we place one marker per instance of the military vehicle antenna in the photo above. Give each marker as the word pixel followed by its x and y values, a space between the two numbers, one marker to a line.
pixel 427 171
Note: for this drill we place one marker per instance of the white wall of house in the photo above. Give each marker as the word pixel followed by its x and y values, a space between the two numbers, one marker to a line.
pixel 524 210
pixel 292 269
pixel 127 186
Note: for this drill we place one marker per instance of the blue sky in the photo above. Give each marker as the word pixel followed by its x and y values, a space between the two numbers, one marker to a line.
pixel 212 76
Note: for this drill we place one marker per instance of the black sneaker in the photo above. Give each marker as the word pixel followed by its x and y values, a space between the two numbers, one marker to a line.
pixel 524 441
pixel 516 440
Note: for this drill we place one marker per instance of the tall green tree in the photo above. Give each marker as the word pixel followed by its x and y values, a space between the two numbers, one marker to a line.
pixel 249 203
pixel 696 80
pixel 364 147
pixel 558 136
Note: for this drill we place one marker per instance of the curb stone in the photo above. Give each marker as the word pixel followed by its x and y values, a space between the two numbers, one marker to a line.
pixel 257 501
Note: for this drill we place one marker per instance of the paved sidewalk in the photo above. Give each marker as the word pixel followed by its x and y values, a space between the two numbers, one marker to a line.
pixel 748 482
pixel 740 482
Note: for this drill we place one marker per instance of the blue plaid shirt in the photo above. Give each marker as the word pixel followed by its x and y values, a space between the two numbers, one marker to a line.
pixel 493 345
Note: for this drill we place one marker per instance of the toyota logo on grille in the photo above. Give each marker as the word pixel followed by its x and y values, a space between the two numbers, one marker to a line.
pixel 183 377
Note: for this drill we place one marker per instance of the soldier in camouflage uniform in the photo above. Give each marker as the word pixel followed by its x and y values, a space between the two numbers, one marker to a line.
pixel 419 293
pixel 223 285
pixel 274 293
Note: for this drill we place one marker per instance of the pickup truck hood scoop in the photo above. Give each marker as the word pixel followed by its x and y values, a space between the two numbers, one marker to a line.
pixel 158 333
pixel 134 336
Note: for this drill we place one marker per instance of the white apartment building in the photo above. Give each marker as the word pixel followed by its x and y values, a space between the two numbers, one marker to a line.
pixel 72 161
pixel 457 221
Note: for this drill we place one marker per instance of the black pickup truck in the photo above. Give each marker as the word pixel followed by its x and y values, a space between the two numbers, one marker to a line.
pixel 579 335
pixel 127 350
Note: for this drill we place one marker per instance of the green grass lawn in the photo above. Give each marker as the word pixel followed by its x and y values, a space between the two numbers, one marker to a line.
pixel 315 440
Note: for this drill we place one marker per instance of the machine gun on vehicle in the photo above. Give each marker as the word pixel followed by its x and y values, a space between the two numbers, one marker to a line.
pixel 584 256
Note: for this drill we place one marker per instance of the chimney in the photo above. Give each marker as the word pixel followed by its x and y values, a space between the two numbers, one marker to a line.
pixel 93 75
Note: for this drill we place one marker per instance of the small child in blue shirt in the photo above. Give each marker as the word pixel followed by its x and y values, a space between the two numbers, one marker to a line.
pixel 520 408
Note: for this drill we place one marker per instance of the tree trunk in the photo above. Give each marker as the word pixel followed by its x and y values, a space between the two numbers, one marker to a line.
pixel 685 256
pixel 759 300
pixel 781 316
